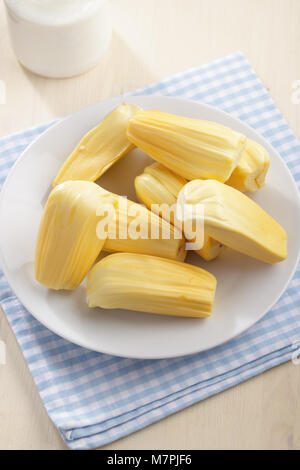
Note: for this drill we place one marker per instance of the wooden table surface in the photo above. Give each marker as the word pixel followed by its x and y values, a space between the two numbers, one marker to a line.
pixel 153 39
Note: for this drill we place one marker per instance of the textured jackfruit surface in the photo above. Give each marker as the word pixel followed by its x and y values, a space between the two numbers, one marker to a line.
pixel 191 147
pixel 100 148
pixel 151 284
pixel 235 220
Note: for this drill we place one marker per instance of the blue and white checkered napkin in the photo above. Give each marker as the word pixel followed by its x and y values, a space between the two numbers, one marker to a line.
pixel 94 398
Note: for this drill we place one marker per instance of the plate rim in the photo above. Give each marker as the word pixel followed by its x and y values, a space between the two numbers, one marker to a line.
pixel 112 101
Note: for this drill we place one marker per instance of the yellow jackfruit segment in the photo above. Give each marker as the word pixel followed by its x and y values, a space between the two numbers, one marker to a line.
pixel 67 243
pixel 151 284
pixel 250 172
pixel 100 148
pixel 137 230
pixel 211 249
pixel 191 148
pixel 235 220
pixel 159 185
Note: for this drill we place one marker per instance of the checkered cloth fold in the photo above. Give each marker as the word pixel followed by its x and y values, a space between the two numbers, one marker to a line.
pixel 95 398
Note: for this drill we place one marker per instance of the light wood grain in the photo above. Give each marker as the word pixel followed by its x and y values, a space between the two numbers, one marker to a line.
pixel 153 39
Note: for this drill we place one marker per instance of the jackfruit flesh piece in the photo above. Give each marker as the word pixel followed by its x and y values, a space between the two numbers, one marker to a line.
pixel 138 230
pixel 211 248
pixel 191 148
pixel 250 172
pixel 100 148
pixel 159 186
pixel 67 243
pixel 235 220
pixel 151 284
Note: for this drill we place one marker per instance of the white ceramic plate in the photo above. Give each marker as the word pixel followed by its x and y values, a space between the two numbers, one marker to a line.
pixel 246 290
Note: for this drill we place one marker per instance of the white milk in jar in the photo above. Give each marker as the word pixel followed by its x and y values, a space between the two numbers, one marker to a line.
pixel 59 38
